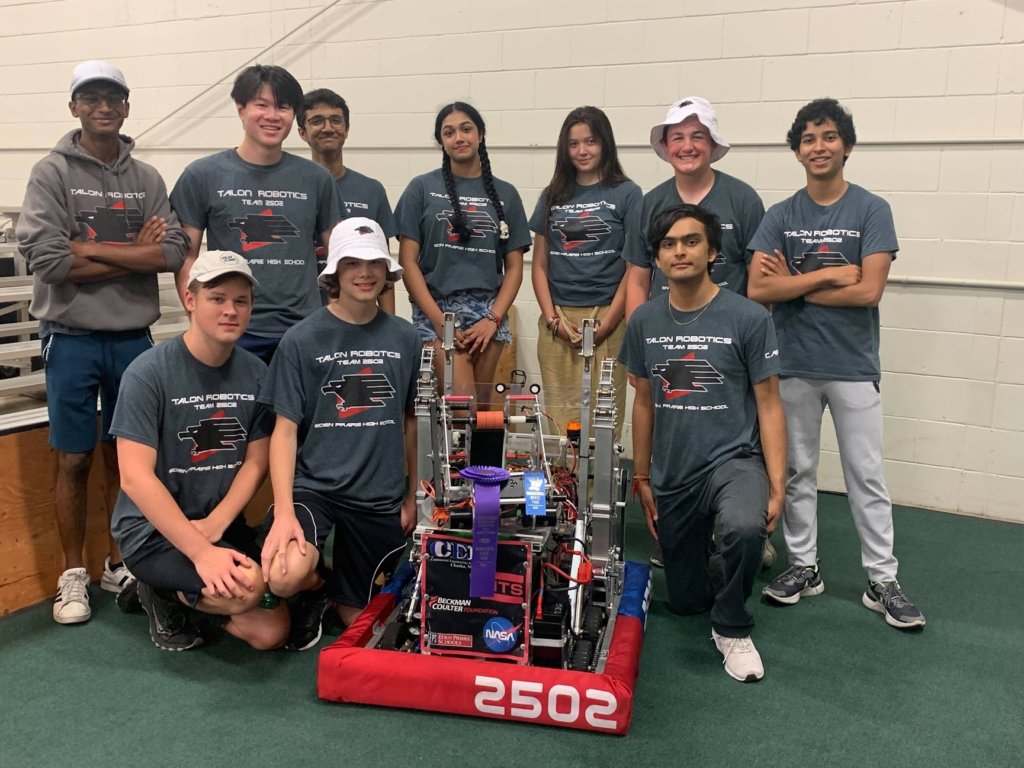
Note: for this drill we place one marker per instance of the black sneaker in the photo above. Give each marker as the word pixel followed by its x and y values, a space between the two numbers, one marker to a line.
pixel 308 619
pixel 169 623
pixel 794 583
pixel 128 598
pixel 887 598
pixel 657 559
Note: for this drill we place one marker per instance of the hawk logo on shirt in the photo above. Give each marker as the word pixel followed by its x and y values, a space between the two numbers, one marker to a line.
pixel 809 261
pixel 215 434
pixel 479 222
pixel 259 229
pixel 116 224
pixel 357 392
pixel 577 230
pixel 686 376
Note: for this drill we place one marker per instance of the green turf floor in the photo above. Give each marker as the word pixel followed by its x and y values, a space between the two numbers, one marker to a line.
pixel 841 687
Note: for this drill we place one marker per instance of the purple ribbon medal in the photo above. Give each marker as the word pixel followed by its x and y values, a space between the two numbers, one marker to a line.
pixel 486 519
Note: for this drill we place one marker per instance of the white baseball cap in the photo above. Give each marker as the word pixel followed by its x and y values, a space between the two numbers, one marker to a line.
pixel 682 109
pixel 211 264
pixel 359 238
pixel 93 71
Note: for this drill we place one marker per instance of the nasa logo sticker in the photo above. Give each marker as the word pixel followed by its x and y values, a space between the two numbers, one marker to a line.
pixel 499 635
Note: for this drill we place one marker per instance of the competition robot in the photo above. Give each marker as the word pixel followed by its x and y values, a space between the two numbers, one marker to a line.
pixel 515 602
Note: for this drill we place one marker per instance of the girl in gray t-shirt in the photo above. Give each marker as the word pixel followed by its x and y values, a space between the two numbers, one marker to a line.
pixel 581 222
pixel 463 234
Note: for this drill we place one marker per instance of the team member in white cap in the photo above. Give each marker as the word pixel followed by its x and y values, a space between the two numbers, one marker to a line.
pixel 342 384
pixel 690 141
pixel 95 228
pixel 193 443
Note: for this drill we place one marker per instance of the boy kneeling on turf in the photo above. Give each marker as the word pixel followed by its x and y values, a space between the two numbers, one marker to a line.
pixel 343 384
pixel 193 444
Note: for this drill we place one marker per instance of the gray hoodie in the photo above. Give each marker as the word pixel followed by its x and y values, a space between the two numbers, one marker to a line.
pixel 73 196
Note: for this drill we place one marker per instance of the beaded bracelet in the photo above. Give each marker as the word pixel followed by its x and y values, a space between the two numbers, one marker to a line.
pixel 550 321
pixel 489 314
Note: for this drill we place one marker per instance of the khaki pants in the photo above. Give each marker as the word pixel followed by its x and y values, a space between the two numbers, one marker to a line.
pixel 561 368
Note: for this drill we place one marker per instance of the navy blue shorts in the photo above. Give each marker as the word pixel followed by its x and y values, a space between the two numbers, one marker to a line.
pixel 263 347
pixel 78 370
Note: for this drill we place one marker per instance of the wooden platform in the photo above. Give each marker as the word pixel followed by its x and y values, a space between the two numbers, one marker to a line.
pixel 30 553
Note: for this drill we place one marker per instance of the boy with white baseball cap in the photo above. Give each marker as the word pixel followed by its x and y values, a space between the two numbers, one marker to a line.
pixel 690 140
pixel 95 229
pixel 193 444
pixel 344 379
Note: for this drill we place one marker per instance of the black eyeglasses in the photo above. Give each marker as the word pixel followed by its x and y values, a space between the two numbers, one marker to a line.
pixel 317 121
pixel 94 99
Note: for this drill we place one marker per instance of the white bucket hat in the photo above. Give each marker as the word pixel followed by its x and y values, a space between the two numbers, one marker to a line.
pixel 359 238
pixel 682 109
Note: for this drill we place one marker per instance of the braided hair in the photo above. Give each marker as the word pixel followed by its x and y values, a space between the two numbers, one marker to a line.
pixel 458 224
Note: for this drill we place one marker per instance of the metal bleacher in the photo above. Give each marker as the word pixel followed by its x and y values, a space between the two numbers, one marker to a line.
pixel 15 295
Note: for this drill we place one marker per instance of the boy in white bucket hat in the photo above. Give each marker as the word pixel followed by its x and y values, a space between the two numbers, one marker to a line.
pixel 342 384
pixel 690 140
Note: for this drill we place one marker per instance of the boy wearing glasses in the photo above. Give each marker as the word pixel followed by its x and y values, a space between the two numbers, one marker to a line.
pixel 95 228
pixel 324 124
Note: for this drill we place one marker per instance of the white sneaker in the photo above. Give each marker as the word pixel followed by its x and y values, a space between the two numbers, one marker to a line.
pixel 767 555
pixel 742 661
pixel 115 580
pixel 71 605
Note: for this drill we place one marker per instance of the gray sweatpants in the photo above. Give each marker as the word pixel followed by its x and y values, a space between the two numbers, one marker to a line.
pixel 856 408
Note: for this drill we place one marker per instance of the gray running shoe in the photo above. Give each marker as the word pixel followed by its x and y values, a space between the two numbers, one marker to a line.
pixel 794 583
pixel 887 598
pixel 169 624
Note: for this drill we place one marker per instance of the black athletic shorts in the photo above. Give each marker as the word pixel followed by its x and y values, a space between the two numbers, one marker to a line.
pixel 162 566
pixel 367 547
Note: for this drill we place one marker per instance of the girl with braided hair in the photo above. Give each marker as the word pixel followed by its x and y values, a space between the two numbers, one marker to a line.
pixel 581 223
pixel 462 235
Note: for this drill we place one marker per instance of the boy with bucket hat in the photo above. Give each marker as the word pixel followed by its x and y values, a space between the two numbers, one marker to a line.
pixel 343 385
pixel 690 140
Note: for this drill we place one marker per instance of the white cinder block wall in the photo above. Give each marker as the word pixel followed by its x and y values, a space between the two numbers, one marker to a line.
pixel 936 88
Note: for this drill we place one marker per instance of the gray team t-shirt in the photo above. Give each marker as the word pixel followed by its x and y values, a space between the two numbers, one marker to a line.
pixel 359 195
pixel 269 214
pixel 702 376
pixel 198 419
pixel 348 387
pixel 585 237
pixel 424 214
pixel 816 342
pixel 736 205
